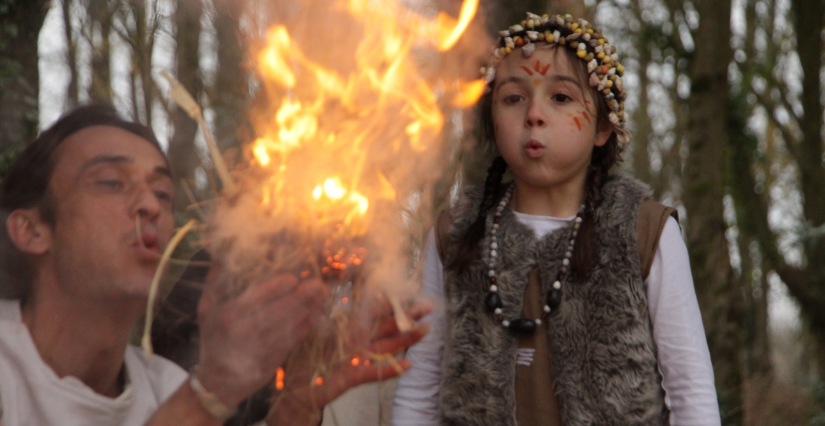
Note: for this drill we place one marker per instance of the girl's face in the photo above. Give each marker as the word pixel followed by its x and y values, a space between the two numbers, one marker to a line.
pixel 545 124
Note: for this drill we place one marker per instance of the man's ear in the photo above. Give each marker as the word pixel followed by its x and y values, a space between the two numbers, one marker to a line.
pixel 602 134
pixel 28 232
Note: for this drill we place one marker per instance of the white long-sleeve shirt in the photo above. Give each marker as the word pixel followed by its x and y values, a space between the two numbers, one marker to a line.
pixel 684 359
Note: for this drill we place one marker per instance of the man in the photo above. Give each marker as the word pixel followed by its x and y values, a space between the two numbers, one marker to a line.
pixel 81 274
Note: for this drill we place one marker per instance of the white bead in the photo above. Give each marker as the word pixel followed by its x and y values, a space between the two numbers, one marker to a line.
pixel 493 253
pixel 578 220
pixel 546 308
pixel 538 321
pixel 565 262
pixel 494 245
pixel 498 311
pixel 493 288
pixel 557 285
pixel 493 233
pixel 568 254
pixel 492 273
pixel 495 226
pixel 505 323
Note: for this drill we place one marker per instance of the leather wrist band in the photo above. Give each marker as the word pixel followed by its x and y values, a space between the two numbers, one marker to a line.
pixel 209 400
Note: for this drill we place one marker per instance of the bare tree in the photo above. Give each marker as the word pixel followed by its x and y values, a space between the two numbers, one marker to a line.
pixel 183 157
pixel 704 191
pixel 20 23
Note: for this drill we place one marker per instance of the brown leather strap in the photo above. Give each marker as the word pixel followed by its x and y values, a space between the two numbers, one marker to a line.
pixel 649 225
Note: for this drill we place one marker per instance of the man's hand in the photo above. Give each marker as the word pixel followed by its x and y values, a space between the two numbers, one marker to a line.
pixel 372 335
pixel 244 339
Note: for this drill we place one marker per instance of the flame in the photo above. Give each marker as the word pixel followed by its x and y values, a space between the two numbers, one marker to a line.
pixel 468 11
pixel 335 125
pixel 351 105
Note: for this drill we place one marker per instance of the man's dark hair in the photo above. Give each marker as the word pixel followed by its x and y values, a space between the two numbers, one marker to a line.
pixel 26 184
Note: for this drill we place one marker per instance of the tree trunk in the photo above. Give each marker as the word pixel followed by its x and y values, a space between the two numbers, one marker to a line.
pixel 230 96
pixel 182 153
pixel 20 23
pixel 704 182
pixel 142 40
pixel 73 90
pixel 101 16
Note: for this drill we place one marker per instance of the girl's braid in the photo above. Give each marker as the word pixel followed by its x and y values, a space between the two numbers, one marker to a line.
pixel 586 244
pixel 492 187
pixel 492 193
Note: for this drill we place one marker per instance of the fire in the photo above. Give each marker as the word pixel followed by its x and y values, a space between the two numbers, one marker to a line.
pixel 330 119
pixel 353 99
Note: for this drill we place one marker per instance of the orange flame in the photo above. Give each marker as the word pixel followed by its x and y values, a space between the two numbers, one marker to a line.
pixel 352 102
pixel 329 119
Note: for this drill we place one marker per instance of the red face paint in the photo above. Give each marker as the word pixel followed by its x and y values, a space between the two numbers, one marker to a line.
pixel 587 117
pixel 539 68
pixel 527 69
pixel 537 81
pixel 578 123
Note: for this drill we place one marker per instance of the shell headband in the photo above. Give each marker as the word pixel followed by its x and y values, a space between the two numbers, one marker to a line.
pixel 590 45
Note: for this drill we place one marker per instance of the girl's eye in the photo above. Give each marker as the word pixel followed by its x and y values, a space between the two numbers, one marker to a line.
pixel 512 99
pixel 561 98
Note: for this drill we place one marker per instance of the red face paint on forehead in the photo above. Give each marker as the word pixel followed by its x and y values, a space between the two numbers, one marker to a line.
pixel 527 69
pixel 541 70
pixel 537 81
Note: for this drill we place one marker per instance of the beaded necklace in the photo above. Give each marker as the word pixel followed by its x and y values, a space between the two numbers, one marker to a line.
pixel 553 299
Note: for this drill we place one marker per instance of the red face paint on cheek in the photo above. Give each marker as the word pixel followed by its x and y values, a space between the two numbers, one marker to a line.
pixel 586 116
pixel 578 123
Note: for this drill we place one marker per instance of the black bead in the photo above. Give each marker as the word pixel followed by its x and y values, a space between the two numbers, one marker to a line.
pixel 492 280
pixel 553 298
pixel 523 325
pixel 492 302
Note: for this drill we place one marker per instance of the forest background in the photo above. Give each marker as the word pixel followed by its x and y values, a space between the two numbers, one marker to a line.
pixel 726 110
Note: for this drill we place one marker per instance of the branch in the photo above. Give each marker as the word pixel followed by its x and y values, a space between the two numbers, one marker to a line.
pixel 787 133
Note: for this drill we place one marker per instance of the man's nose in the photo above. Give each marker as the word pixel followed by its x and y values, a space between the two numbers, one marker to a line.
pixel 145 203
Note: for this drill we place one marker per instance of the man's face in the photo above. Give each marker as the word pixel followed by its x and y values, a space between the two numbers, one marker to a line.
pixel 112 194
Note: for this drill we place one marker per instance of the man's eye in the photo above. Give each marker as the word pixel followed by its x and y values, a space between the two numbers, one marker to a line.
pixel 112 184
pixel 163 196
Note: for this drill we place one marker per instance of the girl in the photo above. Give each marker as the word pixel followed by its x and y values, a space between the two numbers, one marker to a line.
pixel 567 295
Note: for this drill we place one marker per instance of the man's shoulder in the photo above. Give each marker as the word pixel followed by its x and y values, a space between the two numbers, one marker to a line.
pixel 9 310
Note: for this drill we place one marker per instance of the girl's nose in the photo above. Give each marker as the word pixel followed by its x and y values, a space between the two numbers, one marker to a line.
pixel 535 116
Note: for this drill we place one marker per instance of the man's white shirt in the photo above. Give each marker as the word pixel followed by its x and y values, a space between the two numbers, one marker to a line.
pixel 31 394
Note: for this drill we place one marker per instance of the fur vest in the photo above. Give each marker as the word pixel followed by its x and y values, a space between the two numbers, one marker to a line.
pixel 602 351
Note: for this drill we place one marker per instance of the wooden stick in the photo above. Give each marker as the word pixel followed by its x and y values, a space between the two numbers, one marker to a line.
pixel 401 319
pixel 146 341
pixel 188 103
